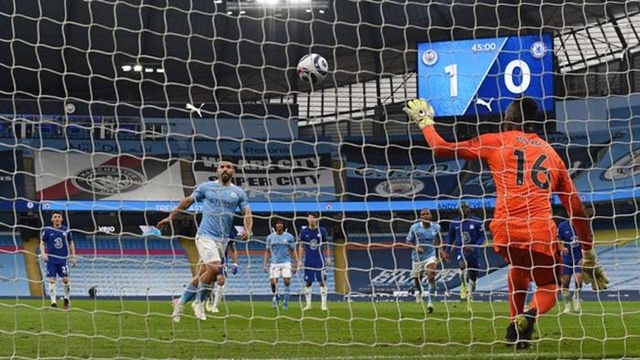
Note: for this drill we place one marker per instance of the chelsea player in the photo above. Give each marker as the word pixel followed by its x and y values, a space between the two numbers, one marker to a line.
pixel 424 238
pixel 56 245
pixel 280 250
pixel 313 241
pixel 571 257
pixel 466 235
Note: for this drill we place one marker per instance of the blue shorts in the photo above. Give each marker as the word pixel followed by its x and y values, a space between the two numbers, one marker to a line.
pixel 570 269
pixel 311 275
pixel 57 267
pixel 469 259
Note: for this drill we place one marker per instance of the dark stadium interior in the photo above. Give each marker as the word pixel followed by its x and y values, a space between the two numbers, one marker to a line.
pixel 79 56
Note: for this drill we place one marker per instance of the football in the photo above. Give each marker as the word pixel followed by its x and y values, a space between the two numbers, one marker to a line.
pixel 312 68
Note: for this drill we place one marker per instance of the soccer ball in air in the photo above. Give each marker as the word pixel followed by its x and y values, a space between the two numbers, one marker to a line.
pixel 312 68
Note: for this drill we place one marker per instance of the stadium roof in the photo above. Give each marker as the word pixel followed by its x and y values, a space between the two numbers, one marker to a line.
pixel 77 49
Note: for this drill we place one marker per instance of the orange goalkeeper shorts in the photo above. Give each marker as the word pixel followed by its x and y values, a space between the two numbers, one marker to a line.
pixel 540 268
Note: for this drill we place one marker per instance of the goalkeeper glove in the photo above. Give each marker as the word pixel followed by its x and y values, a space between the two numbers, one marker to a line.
pixel 235 268
pixel 592 271
pixel 420 112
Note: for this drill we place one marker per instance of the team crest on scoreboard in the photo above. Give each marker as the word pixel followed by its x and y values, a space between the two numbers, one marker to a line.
pixel 429 57
pixel 625 167
pixel 108 180
pixel 399 187
pixel 538 49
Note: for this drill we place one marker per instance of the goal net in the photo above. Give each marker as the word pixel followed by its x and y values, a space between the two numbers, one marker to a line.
pixel 112 112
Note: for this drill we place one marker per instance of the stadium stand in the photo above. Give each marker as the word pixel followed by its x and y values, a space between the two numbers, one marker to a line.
pixel 13 274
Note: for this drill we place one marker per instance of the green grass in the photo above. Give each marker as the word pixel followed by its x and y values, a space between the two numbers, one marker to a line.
pixel 141 329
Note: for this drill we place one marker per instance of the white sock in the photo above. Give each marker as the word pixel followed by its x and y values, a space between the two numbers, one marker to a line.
pixel 463 277
pixel 471 288
pixel 323 294
pixel 52 292
pixel 217 295
pixel 576 294
pixel 307 294
pixel 67 290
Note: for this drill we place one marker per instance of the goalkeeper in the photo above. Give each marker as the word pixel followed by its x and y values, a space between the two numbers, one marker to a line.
pixel 526 170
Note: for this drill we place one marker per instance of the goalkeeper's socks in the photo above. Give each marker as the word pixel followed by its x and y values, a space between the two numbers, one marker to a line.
pixel 545 298
pixel 52 292
pixel 566 295
pixel 189 293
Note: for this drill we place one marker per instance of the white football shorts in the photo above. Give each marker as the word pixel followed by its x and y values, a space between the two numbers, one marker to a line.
pixel 277 270
pixel 421 267
pixel 209 249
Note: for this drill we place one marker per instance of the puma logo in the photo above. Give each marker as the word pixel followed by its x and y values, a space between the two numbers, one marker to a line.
pixel 197 110
pixel 486 104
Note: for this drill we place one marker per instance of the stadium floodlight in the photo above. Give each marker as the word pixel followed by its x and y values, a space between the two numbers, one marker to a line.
pixel 137 68
pixel 267 2
pixel 126 68
pixel 280 4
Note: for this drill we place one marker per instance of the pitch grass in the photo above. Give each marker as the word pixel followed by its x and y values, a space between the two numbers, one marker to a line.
pixel 141 329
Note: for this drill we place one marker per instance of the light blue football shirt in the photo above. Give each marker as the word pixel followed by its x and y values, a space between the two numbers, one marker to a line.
pixel 220 204
pixel 424 238
pixel 280 245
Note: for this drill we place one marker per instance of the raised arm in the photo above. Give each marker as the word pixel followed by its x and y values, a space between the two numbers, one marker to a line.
pixel 420 112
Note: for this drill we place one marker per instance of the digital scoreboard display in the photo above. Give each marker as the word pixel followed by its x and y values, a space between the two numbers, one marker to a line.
pixel 483 76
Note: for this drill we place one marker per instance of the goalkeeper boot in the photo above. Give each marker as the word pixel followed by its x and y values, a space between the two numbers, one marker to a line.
pixel 177 310
pixel 430 307
pixel 512 334
pixel 274 302
pixel 567 308
pixel 54 305
pixel 324 306
pixel 524 325
pixel 66 304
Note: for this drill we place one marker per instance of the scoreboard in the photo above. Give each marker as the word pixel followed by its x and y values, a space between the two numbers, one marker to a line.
pixel 483 76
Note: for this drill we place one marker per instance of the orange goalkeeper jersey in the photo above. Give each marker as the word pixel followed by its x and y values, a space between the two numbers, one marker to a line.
pixel 526 171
